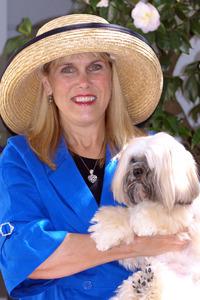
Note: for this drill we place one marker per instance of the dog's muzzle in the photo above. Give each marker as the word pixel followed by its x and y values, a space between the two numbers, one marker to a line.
pixel 138 182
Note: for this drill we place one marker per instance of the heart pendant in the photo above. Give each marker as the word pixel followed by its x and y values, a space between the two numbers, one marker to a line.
pixel 92 178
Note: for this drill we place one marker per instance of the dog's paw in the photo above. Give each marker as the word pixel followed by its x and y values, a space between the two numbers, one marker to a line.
pixel 142 280
pixel 110 227
pixel 104 239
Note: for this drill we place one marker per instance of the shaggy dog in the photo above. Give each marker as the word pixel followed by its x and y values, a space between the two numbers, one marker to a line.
pixel 157 184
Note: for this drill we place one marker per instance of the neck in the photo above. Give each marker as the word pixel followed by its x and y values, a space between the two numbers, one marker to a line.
pixel 88 142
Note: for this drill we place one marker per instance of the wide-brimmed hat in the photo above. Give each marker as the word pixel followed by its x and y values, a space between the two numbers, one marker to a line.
pixel 137 66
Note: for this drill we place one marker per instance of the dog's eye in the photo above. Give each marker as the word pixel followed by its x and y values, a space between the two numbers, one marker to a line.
pixel 137 172
pixel 132 160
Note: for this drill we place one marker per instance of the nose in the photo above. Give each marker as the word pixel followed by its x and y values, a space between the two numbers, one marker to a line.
pixel 83 80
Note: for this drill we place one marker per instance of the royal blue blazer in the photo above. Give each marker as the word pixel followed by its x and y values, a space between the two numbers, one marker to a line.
pixel 38 208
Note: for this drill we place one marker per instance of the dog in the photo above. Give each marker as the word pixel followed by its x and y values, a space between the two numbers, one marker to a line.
pixel 157 186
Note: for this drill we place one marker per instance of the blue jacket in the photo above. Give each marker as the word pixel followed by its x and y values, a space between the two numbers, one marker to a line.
pixel 44 205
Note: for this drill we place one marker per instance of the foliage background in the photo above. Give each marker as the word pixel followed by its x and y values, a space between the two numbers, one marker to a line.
pixel 180 22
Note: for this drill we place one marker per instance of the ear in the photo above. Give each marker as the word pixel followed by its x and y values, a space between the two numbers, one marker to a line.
pixel 117 182
pixel 46 85
pixel 186 178
pixel 175 170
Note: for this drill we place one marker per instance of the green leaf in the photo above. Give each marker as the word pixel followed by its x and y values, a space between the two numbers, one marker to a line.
pixel 151 37
pixel 196 138
pixel 162 29
pixel 185 44
pixel 103 12
pixel 180 13
pixel 171 85
pixel 195 113
pixel 170 123
pixel 165 61
pixel 191 88
pixel 13 44
pixel 183 131
pixel 93 4
pixel 195 25
pixel 25 27
pixel 175 40
pixel 162 41
pixel 192 68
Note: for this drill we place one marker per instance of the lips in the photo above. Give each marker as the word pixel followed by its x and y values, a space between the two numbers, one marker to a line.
pixel 84 99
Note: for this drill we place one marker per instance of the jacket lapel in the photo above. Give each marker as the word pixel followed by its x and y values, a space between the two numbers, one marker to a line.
pixel 72 188
pixel 110 167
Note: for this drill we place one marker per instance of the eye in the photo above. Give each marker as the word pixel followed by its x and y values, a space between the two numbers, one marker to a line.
pixel 132 161
pixel 95 67
pixel 68 69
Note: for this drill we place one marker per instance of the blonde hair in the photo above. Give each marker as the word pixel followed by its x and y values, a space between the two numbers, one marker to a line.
pixel 119 127
pixel 45 130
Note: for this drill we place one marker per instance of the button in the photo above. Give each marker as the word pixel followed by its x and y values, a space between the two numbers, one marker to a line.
pixel 87 285
pixel 6 229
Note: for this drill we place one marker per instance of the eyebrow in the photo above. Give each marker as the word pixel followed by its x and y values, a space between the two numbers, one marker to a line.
pixel 71 63
pixel 64 63
pixel 97 60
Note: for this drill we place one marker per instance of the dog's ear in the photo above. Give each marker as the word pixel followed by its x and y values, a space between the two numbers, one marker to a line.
pixel 117 182
pixel 186 179
pixel 175 170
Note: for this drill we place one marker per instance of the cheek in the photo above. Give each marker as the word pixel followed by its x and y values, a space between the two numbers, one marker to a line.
pixel 60 87
pixel 106 86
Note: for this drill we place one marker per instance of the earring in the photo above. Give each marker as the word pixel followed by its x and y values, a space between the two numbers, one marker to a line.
pixel 50 98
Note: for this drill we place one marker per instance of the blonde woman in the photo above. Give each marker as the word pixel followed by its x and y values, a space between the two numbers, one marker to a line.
pixel 73 95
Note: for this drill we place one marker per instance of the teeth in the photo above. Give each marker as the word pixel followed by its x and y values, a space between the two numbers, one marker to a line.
pixel 85 99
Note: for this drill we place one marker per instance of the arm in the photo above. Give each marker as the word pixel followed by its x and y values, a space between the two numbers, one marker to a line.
pixel 43 252
pixel 78 252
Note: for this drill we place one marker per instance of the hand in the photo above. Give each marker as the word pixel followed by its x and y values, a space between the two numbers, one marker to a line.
pixel 159 244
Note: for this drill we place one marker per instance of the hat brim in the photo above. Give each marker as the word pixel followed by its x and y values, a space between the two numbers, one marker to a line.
pixel 137 65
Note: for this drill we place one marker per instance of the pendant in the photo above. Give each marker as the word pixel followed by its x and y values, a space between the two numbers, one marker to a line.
pixel 92 177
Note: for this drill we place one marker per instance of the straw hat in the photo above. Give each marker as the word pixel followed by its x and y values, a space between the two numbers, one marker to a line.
pixel 138 68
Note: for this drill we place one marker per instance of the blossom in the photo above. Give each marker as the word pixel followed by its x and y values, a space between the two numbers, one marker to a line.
pixel 103 3
pixel 145 16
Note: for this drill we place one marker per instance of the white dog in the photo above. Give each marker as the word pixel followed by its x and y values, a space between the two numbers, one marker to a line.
pixel 157 181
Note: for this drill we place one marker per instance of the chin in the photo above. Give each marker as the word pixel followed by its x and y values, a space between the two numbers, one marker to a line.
pixel 157 187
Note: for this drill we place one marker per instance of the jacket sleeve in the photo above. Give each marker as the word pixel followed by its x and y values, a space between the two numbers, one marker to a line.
pixel 27 236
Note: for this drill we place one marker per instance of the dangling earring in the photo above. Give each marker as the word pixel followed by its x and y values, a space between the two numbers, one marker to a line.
pixel 50 98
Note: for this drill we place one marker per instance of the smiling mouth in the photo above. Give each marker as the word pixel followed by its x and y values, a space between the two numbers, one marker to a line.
pixel 84 99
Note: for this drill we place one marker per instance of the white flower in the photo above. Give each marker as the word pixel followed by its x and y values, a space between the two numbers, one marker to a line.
pixel 103 3
pixel 145 16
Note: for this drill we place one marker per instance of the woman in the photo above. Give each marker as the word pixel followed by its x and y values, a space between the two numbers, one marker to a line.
pixel 72 95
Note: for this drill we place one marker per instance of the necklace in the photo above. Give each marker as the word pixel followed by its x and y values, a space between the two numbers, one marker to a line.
pixel 92 177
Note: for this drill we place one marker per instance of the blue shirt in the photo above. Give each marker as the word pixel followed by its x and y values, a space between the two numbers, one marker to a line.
pixel 43 205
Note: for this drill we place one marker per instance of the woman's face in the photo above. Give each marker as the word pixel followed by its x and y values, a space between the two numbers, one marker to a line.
pixel 81 87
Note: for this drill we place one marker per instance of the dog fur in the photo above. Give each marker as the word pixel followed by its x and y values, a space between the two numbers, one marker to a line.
pixel 157 183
